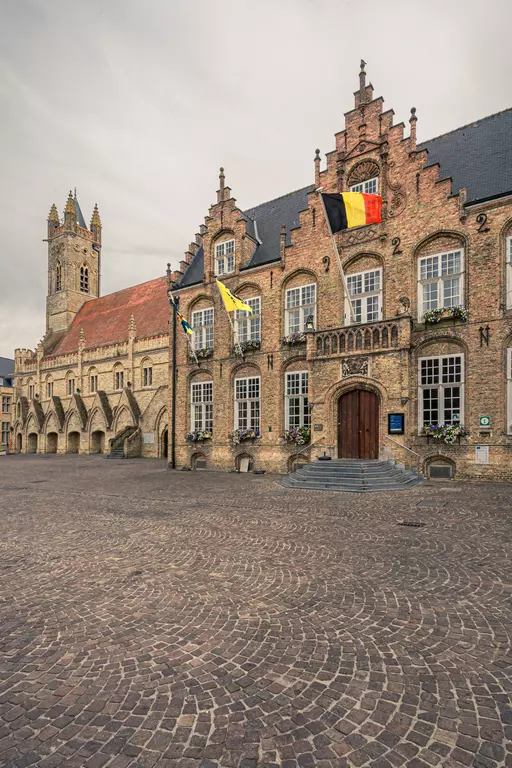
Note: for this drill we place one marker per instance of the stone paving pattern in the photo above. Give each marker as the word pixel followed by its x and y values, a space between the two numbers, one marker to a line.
pixel 151 618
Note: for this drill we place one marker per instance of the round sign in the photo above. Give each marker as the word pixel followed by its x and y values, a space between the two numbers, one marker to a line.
pixel 484 421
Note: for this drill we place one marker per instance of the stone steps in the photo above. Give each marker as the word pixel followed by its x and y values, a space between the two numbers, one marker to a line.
pixel 352 476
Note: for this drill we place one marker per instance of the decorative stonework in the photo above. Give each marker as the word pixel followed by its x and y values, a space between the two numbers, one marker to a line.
pixel 397 196
pixel 356 236
pixel 368 169
pixel 354 366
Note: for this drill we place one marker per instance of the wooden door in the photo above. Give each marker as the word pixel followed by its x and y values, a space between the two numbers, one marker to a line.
pixel 358 425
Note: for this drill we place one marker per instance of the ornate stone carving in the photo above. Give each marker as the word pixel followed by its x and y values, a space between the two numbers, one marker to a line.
pixel 368 169
pixel 354 366
pixel 57 249
pixel 398 198
pixel 355 236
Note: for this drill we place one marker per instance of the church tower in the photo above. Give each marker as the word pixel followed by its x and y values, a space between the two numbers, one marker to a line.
pixel 73 263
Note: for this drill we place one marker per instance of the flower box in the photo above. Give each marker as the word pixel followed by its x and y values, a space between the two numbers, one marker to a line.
pixel 201 354
pixel 300 436
pixel 448 433
pixel 242 435
pixel 295 338
pixel 433 316
pixel 198 436
pixel 245 346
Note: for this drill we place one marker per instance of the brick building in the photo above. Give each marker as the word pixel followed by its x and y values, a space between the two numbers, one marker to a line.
pixel 100 372
pixel 344 367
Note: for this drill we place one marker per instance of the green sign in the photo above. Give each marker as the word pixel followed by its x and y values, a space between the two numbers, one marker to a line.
pixel 485 421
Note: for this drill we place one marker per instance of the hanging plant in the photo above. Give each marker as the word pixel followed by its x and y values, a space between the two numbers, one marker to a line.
pixel 198 436
pixel 299 436
pixel 241 435
pixel 244 346
pixel 449 433
pixel 202 354
pixel 295 338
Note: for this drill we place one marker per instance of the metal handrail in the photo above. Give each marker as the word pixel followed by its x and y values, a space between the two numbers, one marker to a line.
pixel 418 457
pixel 307 447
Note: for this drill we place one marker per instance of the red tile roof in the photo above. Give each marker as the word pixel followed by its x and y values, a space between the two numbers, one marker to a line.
pixel 106 320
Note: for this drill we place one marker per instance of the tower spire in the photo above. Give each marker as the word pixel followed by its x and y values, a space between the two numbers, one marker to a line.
pixel 53 220
pixel 70 212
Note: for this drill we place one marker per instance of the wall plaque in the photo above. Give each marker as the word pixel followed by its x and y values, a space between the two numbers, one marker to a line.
pixel 396 423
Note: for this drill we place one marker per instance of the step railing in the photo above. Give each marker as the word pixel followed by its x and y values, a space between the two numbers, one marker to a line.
pixel 304 448
pixel 401 445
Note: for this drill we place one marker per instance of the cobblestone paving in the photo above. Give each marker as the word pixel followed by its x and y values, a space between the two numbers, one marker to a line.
pixel 151 618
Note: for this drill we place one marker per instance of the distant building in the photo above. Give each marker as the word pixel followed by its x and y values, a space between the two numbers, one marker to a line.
pixel 98 379
pixel 429 338
pixel 6 399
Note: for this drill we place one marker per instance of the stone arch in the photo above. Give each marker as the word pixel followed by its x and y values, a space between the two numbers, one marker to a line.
pixel 19 442
pixel 144 363
pixel 242 369
pixel 92 371
pixel 97 441
pixel 32 442
pixel 293 460
pixel 295 278
pixel 441 461
pixel 363 261
pixel 200 457
pixel 123 418
pixel 118 377
pixel 51 422
pixel 441 345
pixel 31 424
pixel 70 388
pixel 244 455
pixel 201 301
pixel 97 420
pixel 52 442
pixel 84 278
pixel 341 387
pixel 48 386
pixel 248 287
pixel 161 426
pixel 72 421
pixel 73 442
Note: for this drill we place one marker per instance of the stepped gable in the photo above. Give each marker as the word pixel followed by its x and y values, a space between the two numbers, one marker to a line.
pixel 264 223
pixel 106 320
pixel 477 157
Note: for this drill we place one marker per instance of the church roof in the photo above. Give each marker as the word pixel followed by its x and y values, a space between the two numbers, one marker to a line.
pixel 106 320
pixel 477 157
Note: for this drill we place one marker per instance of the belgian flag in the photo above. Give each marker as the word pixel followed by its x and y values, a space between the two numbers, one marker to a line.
pixel 352 209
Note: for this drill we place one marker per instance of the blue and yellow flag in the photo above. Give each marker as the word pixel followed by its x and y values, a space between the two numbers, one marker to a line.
pixel 174 302
pixel 231 300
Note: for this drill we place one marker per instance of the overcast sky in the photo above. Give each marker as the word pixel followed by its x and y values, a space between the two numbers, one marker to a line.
pixel 137 103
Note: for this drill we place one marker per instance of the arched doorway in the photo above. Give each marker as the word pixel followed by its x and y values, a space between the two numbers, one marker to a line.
pixel 73 442
pixel 165 443
pixel 19 442
pixel 51 442
pixel 358 425
pixel 97 441
pixel 32 443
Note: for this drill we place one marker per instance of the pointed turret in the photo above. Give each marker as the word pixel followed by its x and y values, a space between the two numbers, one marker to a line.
pixel 96 225
pixel 70 213
pixel 53 220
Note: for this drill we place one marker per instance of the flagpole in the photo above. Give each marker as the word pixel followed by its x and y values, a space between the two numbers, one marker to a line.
pixel 338 259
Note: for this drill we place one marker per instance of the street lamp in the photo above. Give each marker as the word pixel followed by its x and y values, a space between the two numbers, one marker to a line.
pixel 310 324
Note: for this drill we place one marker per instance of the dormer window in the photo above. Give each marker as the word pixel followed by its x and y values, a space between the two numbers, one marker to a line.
pixel 84 279
pixel 369 187
pixel 225 257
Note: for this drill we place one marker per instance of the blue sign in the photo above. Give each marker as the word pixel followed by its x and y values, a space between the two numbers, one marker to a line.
pixel 396 423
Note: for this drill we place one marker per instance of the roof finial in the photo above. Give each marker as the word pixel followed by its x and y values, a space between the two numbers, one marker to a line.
pixel 220 193
pixel 362 80
pixel 317 167
pixel 412 121
pixel 75 193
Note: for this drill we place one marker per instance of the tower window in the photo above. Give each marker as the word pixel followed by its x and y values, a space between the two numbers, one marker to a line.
pixel 58 277
pixel 84 279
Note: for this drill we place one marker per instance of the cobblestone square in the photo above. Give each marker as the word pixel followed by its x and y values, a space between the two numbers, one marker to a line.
pixel 156 618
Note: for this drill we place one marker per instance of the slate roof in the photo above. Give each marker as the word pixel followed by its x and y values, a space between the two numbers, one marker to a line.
pixel 264 224
pixel 477 156
pixel 7 370
pixel 106 320
pixel 79 215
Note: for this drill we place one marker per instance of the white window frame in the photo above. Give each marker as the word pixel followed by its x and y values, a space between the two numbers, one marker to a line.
pixel 203 334
pixel 508 245
pixel 93 382
pixel 441 387
pixel 369 186
pixel 304 309
pixel 6 404
pixel 147 376
pixel 441 280
pixel 225 257
pixel 509 391
pixel 201 406
pixel 253 410
pixel 363 296
pixel 248 325
pixel 5 432
pixel 119 380
pixel 302 396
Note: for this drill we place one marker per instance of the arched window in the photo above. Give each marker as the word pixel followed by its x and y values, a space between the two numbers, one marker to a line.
pixel 93 380
pixel 147 373
pixel 58 276
pixel 364 177
pixel 49 387
pixel 70 383
pixel 31 389
pixel 84 279
pixel 118 377
pixel 18 409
